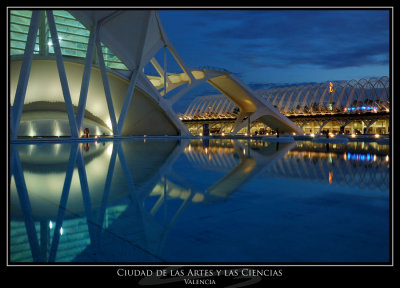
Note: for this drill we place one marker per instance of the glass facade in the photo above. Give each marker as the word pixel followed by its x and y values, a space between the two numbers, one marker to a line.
pixel 73 37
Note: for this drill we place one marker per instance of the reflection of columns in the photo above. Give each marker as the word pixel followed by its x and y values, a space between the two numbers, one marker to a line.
pixel 86 196
pixel 44 238
pixel 248 125
pixel 39 249
pixel 39 252
pixel 63 202
pixel 16 170
pixel 107 187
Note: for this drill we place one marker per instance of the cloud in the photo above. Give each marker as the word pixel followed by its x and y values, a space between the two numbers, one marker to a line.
pixel 329 39
pixel 251 42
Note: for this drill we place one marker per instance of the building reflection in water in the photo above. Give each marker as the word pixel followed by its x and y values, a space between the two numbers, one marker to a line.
pixel 117 201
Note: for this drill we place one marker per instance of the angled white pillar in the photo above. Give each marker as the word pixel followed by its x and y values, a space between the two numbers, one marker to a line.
pixel 304 102
pixel 132 83
pixel 339 101
pixel 224 106
pixel 85 79
pixel 289 100
pixel 313 99
pixel 191 85
pixel 128 98
pixel 165 71
pixel 196 103
pixel 321 99
pixel 62 74
pixel 220 103
pixel 19 99
pixel 107 90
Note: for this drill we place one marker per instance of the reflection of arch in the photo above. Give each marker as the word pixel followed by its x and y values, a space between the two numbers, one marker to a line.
pixel 309 165
pixel 252 159
pixel 251 164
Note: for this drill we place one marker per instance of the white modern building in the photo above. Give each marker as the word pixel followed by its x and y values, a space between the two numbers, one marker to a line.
pixel 75 69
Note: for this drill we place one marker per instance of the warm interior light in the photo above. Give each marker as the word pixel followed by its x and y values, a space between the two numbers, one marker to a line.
pixel 330 87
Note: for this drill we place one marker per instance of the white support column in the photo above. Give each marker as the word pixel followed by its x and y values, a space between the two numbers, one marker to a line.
pixel 313 98
pixel 281 100
pixel 19 99
pixel 62 74
pixel 165 71
pixel 132 83
pixel 187 112
pixel 304 102
pixel 107 90
pixel 339 101
pixel 195 104
pixel 321 100
pixel 193 83
pixel 85 79
pixel 350 98
pixel 128 99
pixel 289 101
pixel 223 106
pixel 220 101
pixel 204 102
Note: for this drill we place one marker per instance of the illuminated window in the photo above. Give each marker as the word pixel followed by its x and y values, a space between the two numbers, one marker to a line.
pixel 73 37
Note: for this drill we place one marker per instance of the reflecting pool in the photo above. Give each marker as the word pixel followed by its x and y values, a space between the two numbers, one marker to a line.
pixel 214 201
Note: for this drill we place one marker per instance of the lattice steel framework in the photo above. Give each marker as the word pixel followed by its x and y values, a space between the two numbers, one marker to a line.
pixel 211 107
pixel 365 95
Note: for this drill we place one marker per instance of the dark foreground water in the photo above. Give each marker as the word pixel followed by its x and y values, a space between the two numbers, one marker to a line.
pixel 199 201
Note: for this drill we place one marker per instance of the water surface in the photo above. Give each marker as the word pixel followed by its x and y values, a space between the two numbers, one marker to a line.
pixel 199 201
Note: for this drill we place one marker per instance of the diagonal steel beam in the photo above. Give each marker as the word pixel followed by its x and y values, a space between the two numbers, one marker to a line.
pixel 62 74
pixel 24 74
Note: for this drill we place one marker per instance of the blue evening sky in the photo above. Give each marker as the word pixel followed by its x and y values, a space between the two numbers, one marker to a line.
pixel 283 46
